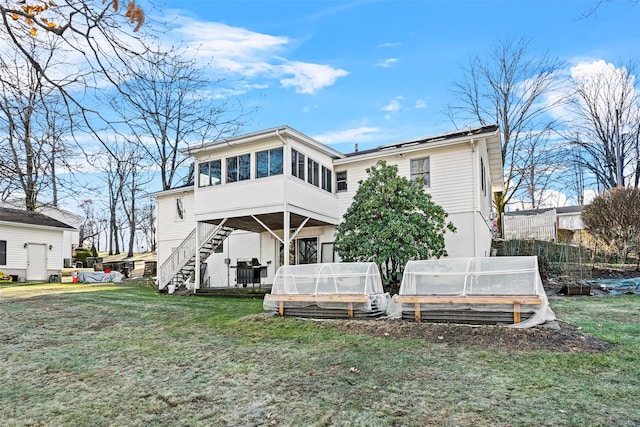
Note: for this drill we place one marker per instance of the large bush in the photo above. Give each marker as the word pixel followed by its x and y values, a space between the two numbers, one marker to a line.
pixel 391 221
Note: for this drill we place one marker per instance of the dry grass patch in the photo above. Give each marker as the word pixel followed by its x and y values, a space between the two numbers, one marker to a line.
pixel 133 357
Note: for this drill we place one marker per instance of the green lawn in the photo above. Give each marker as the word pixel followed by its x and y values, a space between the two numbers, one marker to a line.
pixel 128 356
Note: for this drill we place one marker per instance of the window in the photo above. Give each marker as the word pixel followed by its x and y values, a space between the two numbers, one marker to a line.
pixel 210 173
pixel 313 172
pixel 239 168
pixel 341 181
pixel 326 179
pixel 420 170
pixel 483 177
pixel 179 209
pixel 328 254
pixel 297 164
pixel 302 251
pixel 3 252
pixel 269 162
pixel 307 251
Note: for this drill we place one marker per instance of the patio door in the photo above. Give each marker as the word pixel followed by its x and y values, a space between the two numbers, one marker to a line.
pixel 302 251
pixel 36 262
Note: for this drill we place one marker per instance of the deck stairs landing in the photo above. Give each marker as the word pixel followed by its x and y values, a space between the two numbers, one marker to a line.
pixel 180 267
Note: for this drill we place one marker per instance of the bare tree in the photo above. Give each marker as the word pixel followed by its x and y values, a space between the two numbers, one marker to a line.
pixel 573 177
pixel 32 118
pixel 539 169
pixel 147 225
pixel 97 38
pixel 169 104
pixel 508 89
pixel 606 107
pixel 134 180
pixel 89 228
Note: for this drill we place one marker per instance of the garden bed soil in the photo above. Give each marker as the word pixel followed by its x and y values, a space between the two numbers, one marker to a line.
pixel 565 339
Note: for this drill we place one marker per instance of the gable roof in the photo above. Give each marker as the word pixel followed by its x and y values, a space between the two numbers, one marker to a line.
pixel 19 216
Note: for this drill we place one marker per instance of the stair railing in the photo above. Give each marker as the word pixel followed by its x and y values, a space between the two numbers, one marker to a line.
pixel 185 252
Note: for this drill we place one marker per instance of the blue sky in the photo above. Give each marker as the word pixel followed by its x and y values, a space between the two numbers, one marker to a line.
pixel 375 72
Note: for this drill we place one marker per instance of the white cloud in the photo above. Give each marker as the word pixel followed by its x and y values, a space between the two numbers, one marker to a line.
pixel 386 63
pixel 393 105
pixel 390 44
pixel 309 78
pixel 252 55
pixel 360 134
pixel 420 104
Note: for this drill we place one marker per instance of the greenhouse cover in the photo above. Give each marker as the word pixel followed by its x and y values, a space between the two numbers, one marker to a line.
pixel 339 286
pixel 468 285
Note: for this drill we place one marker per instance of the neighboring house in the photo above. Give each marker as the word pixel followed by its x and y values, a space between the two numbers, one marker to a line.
pixel 31 244
pixel 550 224
pixel 279 188
pixel 70 236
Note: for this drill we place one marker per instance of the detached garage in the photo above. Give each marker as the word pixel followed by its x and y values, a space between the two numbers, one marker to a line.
pixel 31 244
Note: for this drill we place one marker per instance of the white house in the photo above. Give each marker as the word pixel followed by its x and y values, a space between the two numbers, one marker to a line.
pixel 280 188
pixel 32 245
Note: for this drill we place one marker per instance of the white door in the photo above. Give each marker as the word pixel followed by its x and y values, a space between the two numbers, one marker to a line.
pixel 36 262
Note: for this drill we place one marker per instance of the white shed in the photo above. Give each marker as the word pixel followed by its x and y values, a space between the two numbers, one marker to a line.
pixel 31 244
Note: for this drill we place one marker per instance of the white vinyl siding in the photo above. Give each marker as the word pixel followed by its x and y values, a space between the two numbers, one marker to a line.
pixel 17 235
pixel 451 171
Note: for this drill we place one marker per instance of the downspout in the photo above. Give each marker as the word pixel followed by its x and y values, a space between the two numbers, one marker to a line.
pixel 475 201
pixel 286 218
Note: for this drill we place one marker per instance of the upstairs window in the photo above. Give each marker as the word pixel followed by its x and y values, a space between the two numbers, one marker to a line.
pixel 239 168
pixel 297 164
pixel 420 170
pixel 341 181
pixel 313 172
pixel 326 179
pixel 210 173
pixel 269 162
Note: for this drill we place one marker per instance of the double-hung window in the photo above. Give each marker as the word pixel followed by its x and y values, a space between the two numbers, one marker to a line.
pixel 420 169
pixel 341 181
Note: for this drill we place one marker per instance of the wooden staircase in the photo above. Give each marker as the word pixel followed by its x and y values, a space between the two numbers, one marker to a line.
pixel 180 267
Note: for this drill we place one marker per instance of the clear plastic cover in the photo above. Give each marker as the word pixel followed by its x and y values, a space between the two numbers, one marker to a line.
pixel 477 277
pixel 351 286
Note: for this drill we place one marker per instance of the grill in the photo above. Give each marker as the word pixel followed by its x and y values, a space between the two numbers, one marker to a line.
pixel 249 270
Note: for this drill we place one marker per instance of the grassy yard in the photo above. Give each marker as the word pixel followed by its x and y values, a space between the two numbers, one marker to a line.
pixel 128 356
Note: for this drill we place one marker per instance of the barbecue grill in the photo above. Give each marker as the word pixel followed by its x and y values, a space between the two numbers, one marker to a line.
pixel 249 270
